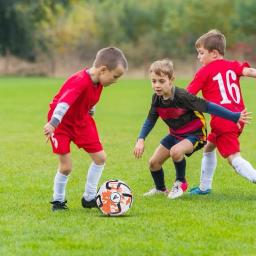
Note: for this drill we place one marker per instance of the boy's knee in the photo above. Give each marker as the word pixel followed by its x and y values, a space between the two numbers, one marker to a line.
pixel 65 167
pixel 176 155
pixel 153 164
pixel 65 170
pixel 65 164
pixel 101 159
pixel 150 163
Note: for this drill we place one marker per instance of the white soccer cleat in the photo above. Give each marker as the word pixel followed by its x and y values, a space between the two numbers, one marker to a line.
pixel 178 189
pixel 154 191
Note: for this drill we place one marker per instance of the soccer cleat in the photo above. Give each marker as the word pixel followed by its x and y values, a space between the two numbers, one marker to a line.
pixel 178 189
pixel 198 191
pixel 57 205
pixel 154 191
pixel 89 204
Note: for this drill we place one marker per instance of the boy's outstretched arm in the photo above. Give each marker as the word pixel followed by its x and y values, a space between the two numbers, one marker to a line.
pixel 236 117
pixel 249 72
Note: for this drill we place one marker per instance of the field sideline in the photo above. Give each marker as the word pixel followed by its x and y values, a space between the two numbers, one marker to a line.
pixel 222 223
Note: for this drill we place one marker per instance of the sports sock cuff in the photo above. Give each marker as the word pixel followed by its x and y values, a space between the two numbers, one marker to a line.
pixel 62 176
pixel 212 153
pixel 98 165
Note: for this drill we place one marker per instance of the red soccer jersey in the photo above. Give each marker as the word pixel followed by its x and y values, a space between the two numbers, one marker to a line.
pixel 81 94
pixel 219 83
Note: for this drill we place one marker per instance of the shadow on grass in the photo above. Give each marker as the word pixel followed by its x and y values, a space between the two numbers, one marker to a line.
pixel 94 212
pixel 217 196
pixel 116 217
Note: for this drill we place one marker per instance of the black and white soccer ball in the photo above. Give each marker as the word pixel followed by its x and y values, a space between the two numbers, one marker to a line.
pixel 114 198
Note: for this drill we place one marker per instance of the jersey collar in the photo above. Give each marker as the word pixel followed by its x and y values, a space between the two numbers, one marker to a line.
pixel 172 95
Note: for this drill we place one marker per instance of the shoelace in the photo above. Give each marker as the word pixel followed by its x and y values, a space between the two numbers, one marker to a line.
pixel 62 204
pixel 175 188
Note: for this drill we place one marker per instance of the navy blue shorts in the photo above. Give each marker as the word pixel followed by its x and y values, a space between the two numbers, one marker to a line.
pixel 169 141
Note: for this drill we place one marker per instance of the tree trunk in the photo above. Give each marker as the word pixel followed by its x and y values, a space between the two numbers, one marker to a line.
pixel 7 62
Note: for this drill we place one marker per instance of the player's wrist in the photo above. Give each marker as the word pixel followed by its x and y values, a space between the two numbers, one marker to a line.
pixel 236 117
pixel 54 122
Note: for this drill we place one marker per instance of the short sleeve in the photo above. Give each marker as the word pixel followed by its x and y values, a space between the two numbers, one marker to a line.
pixel 239 66
pixel 197 83
pixel 72 89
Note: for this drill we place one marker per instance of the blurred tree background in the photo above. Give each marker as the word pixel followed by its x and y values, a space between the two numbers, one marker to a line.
pixel 39 36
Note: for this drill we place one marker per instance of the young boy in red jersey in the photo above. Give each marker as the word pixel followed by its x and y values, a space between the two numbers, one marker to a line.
pixel 181 112
pixel 69 120
pixel 218 80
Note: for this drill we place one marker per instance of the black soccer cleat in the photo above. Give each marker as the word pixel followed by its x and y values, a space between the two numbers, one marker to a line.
pixel 89 204
pixel 57 206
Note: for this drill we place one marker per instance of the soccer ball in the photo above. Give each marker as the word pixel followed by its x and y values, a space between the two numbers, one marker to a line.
pixel 114 198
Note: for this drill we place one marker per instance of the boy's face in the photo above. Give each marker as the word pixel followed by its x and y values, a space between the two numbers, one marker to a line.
pixel 205 56
pixel 108 77
pixel 161 84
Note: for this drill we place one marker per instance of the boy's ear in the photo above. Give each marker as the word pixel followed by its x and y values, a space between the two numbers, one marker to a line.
pixel 215 53
pixel 103 68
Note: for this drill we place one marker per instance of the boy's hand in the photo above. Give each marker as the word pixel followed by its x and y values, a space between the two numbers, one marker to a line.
pixel 48 130
pixel 245 117
pixel 139 148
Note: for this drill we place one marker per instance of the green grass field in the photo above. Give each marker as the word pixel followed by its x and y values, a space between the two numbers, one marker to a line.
pixel 222 223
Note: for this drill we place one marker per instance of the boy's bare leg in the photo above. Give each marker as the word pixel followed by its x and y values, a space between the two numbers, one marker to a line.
pixel 160 155
pixel 178 151
pixel 65 164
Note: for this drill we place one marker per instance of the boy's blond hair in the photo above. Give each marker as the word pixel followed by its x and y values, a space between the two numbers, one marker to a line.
pixel 164 66
pixel 212 40
pixel 110 57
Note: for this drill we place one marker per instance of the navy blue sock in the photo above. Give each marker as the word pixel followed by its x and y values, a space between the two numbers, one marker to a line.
pixel 158 177
pixel 180 170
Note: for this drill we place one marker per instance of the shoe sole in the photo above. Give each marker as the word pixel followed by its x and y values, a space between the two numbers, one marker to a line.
pixel 199 194
pixel 176 195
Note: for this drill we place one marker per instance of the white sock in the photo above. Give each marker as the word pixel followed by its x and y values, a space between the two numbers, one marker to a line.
pixel 60 182
pixel 244 168
pixel 208 166
pixel 93 177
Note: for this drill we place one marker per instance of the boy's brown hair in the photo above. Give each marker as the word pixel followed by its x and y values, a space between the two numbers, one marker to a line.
pixel 110 57
pixel 212 40
pixel 164 66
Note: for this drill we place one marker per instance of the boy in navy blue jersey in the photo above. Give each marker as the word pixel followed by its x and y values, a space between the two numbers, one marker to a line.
pixel 182 112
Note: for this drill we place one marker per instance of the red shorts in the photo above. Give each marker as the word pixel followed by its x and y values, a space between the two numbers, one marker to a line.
pixel 227 142
pixel 85 137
